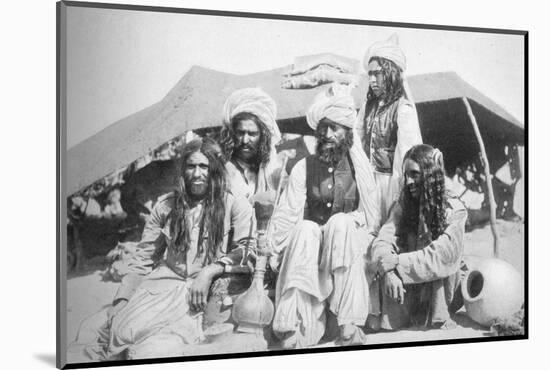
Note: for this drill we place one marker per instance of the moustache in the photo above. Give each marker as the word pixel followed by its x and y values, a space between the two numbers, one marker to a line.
pixel 245 146
pixel 325 140
pixel 198 180
pixel 195 179
pixel 328 145
pixel 413 188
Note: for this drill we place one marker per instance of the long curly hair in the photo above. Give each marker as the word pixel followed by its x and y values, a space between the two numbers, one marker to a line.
pixel 393 80
pixel 228 139
pixel 211 220
pixel 431 206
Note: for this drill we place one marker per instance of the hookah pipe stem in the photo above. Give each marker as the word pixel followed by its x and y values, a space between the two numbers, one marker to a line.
pixel 278 194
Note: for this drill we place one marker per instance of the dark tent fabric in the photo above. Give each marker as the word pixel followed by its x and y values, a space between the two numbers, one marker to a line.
pixel 196 102
pixel 445 124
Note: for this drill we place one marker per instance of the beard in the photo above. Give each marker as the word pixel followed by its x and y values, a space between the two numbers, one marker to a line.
pixel 414 191
pixel 331 151
pixel 196 188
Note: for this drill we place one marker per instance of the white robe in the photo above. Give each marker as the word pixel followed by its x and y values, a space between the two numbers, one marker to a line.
pixel 322 265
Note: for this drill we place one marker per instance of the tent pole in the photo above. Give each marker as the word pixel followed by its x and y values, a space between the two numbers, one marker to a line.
pixel 488 179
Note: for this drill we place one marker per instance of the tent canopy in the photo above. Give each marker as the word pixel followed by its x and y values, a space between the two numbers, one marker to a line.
pixel 445 124
pixel 196 102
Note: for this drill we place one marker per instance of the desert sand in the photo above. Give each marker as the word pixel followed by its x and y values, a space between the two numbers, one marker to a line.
pixel 87 293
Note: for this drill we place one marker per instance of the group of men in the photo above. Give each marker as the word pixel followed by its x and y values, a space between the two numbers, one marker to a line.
pixel 363 237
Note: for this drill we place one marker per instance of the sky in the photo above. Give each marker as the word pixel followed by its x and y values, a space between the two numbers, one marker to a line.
pixel 120 61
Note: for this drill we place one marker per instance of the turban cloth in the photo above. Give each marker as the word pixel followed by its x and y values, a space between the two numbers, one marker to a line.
pixel 388 49
pixel 335 105
pixel 256 102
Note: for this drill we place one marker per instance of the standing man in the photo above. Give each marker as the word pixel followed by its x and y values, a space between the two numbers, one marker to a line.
pixel 419 250
pixel 185 245
pixel 388 123
pixel 320 233
pixel 248 139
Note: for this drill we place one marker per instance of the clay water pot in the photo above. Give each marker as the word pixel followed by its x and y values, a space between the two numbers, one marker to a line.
pixel 492 289
pixel 253 310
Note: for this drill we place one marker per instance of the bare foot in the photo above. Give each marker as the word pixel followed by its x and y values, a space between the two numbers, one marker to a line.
pixel 347 331
pixel 351 335
pixel 447 325
pixel 373 322
pixel 289 340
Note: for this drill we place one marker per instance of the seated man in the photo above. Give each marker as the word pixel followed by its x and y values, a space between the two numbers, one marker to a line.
pixel 320 233
pixel 418 252
pixel 157 308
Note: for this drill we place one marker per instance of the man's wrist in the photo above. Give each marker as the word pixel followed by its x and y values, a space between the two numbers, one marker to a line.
pixel 214 270
pixel 389 273
pixel 387 263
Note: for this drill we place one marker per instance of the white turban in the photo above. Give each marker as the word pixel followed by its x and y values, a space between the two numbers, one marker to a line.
pixel 388 49
pixel 256 102
pixel 334 104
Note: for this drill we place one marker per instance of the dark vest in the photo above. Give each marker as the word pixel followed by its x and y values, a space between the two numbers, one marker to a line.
pixel 330 190
pixel 381 135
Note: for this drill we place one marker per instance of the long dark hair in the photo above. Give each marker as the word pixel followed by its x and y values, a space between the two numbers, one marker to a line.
pixel 228 142
pixel 393 80
pixel 213 213
pixel 431 206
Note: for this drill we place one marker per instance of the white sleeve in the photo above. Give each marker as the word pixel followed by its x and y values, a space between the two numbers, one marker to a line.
pixel 408 135
pixel 290 209
pixel 366 185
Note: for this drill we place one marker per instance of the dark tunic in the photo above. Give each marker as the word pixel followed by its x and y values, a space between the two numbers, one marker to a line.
pixel 330 190
pixel 380 135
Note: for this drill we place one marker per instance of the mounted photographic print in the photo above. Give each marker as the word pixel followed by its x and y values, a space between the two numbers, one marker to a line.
pixel 235 184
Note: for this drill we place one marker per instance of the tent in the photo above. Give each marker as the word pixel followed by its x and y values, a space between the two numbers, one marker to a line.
pixel 195 103
pixel 445 124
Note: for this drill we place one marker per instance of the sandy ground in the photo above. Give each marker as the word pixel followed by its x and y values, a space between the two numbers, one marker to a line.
pixel 87 293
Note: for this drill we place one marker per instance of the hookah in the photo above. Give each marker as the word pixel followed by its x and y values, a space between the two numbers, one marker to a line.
pixel 254 310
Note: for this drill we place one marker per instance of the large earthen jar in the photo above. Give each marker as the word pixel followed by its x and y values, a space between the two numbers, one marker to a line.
pixel 492 290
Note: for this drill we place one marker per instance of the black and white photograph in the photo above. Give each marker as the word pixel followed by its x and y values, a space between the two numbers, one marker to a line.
pixel 239 183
